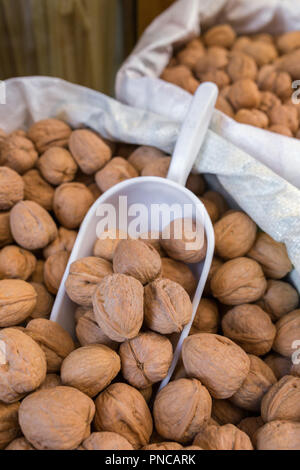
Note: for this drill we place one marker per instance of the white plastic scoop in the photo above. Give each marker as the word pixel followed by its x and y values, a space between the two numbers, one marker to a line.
pixel 148 191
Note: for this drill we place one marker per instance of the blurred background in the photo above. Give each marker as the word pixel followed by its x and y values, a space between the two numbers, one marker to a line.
pixel 83 41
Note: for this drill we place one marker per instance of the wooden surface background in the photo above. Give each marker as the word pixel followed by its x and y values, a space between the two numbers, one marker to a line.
pixel 147 10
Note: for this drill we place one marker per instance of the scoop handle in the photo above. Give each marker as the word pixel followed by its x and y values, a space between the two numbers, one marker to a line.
pixel 192 132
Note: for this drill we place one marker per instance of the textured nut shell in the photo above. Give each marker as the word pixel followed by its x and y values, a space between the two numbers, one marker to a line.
pixel 31 225
pixel 5 233
pixel 147 393
pixel 227 437
pixel 89 332
pixel 280 365
pixel 49 133
pixel 250 327
pixel 279 299
pixel 54 269
pixel 146 359
pixel 288 331
pixel 17 301
pixel 11 188
pixel 51 381
pixel 215 58
pixel 63 242
pixel 25 367
pixel 163 446
pixel 137 259
pixel 268 100
pixel 215 265
pixel 9 424
pixel 178 248
pixel 38 190
pixel 89 150
pixel 181 76
pixel 179 272
pixel 282 402
pixel 223 105
pixel 238 281
pixel 71 203
pixel 122 409
pixel 18 153
pixel 218 200
pixel 212 209
pixel 107 243
pixel 241 66
pixel 250 426
pixel 168 307
pixel 261 51
pixel 252 117
pixel 118 306
pixel 144 155
pixel 53 340
pixel 284 115
pixel 196 184
pixel 244 93
pixel 279 129
pixel 84 275
pixel 114 172
pixel 20 444
pixel 207 317
pixel 16 263
pixel 220 35
pixel 38 273
pixel 276 81
pixel 57 166
pixel 271 255
pixel 288 42
pixel 225 412
pixel 106 441
pixel 159 167
pixel 57 418
pixel 180 420
pixel 220 364
pixel 278 435
pixel 90 369
pixel 259 380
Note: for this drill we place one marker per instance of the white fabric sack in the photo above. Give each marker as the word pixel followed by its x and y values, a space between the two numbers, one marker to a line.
pixel 272 202
pixel 138 85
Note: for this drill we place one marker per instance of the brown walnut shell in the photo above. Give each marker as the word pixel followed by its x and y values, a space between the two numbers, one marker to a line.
pixel 282 401
pixel 179 272
pixel 106 441
pixel 106 244
pixel 144 155
pixel 20 444
pixel 49 133
pixel 115 171
pixel 17 301
pixel 89 332
pixel 63 242
pixel 89 150
pixel 5 233
pixel 184 241
pixel 57 166
pixel 207 317
pixel 278 435
pixel 11 188
pixel 225 412
pixel 279 299
pixel 71 203
pixel 16 263
pixel 280 365
pixel 18 153
pixel 241 66
pixel 244 93
pixel 220 35
pixel 227 437
pixel 288 331
pixel 54 269
pixel 9 424
pixel 38 190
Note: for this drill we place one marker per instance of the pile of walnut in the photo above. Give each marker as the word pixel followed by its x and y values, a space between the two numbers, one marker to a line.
pixel 254 75
pixel 235 386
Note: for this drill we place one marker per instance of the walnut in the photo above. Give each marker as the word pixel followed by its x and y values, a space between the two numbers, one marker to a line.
pixel 271 255
pixel 11 188
pixel 217 76
pixel 115 171
pixel 250 327
pixel 288 331
pixel 241 66
pixel 63 242
pixel 158 167
pixel 220 364
pixel 278 435
pixel 9 425
pixel 51 381
pixel 280 365
pixel 90 151
pixel 218 200
pixel 90 369
pixel 163 446
pixel 146 359
pixel 215 58
pixel 212 209
pixel 144 155
pixel 20 444
pixel 95 191
pixel 252 117
pixel 71 203
pixel 235 234
pixel 275 81
pixel 284 115
pixel 57 166
pixel 44 301
pixel 31 225
pixel 89 332
pixel 57 418
pixel 257 383
pixel 53 340
pixel 5 233
pixel 196 183
pixel 137 259
pixel 190 55
pixel 279 299
pixel 49 133
pixel 262 52
pixel 238 281
pixel 122 409
pixel 54 269
pixel 147 393
pixel 84 275
pixel 107 243
pixel 18 153
pixel 16 263
pixel 282 401
pixel 168 307
pixel 38 190
pixel 215 265
pixel 179 420
pixel 288 42
pixel 223 105
pixel 250 426
pixel 207 317
pixel 225 412
pixel 17 301
pixel 179 272
pixel 118 306
pixel 106 441
pixel 38 273
pixel 220 35
pixel 181 76
pixel 268 101
pixel 227 437
pixel 244 93
pixel 184 240
pixel 25 366
pixel 152 238
pixel 279 129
